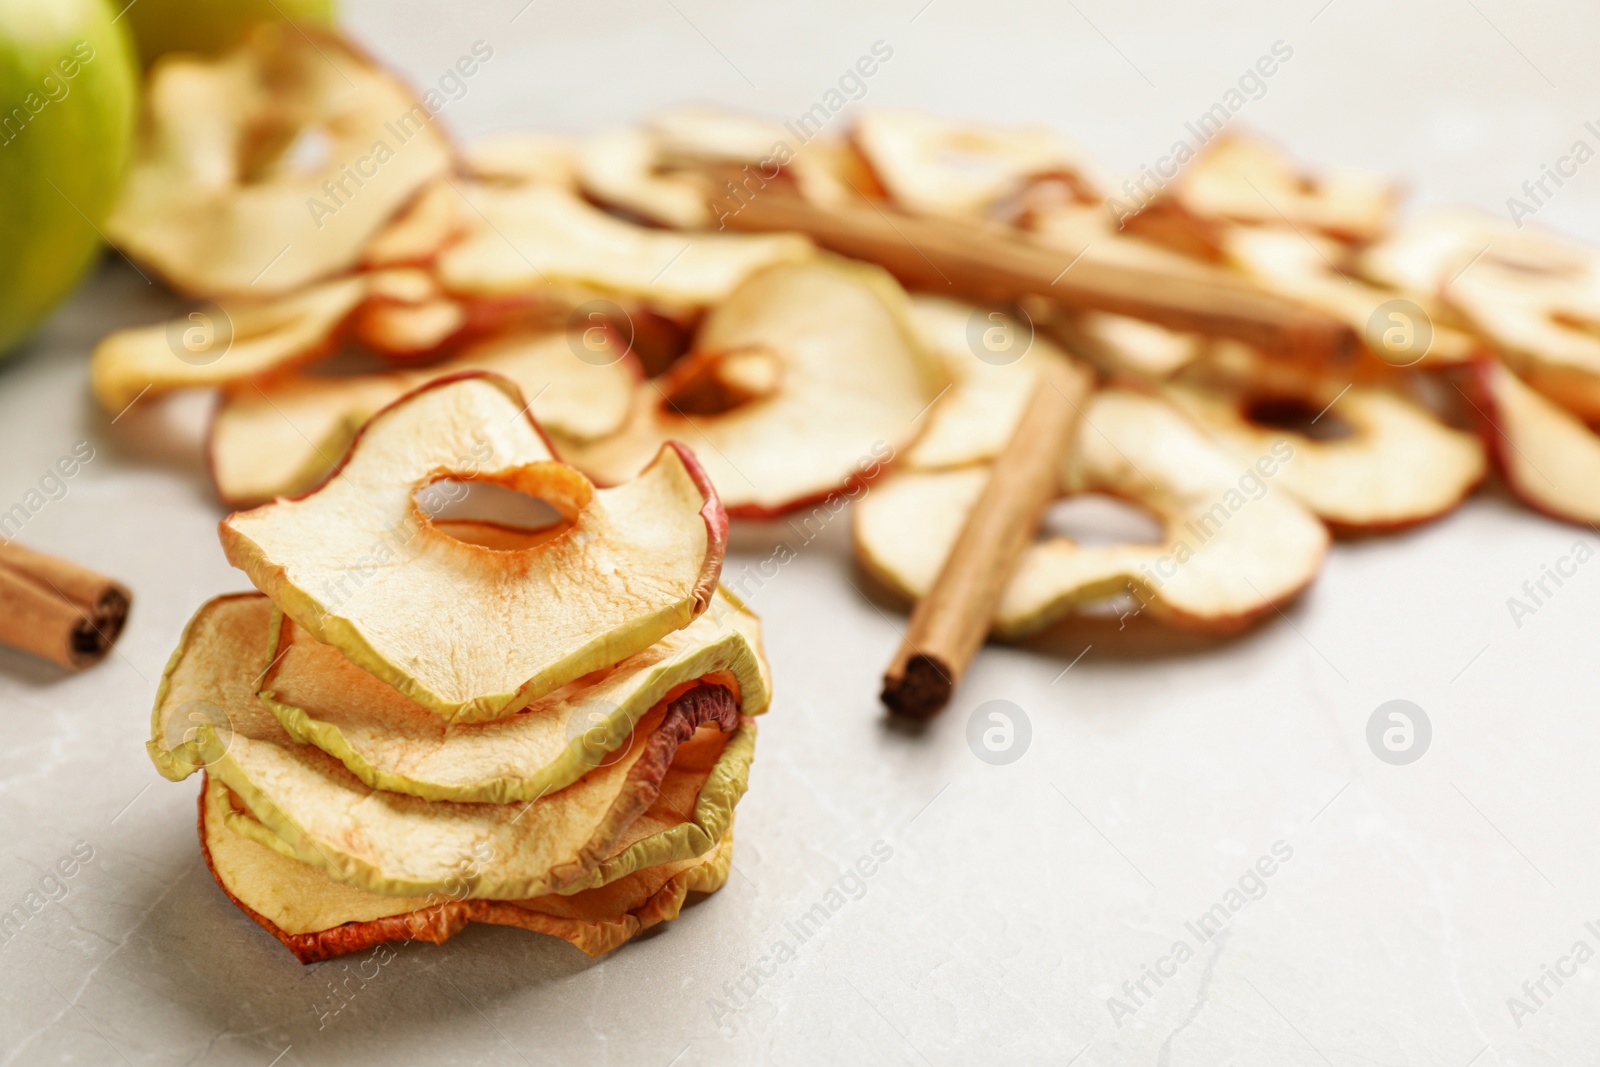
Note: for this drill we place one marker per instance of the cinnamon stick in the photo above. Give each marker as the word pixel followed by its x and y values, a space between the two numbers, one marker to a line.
pixel 983 264
pixel 950 623
pixel 58 610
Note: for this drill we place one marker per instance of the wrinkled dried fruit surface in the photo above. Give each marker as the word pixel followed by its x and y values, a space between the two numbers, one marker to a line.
pixel 272 166
pixel 392 743
pixel 304 803
pixel 470 632
pixel 282 437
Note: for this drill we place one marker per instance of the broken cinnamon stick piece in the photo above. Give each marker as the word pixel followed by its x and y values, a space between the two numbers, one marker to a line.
pixel 950 624
pixel 56 609
pixel 978 263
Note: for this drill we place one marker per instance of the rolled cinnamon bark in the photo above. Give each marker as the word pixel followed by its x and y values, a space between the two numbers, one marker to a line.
pixel 56 609
pixel 950 624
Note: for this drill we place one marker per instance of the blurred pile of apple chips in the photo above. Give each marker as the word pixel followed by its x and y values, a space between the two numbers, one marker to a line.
pixel 425 718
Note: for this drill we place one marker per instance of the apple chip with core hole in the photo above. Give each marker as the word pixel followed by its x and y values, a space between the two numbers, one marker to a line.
pixel 993 362
pixel 935 166
pixel 1232 551
pixel 1395 466
pixel 522 239
pixel 318 918
pixel 849 381
pixel 1241 178
pixel 668 798
pixel 1550 459
pixel 272 166
pixel 391 743
pixel 474 633
pixel 281 437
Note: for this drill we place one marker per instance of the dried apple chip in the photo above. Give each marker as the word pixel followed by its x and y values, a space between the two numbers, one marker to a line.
pixel 213 346
pixel 935 166
pixel 666 799
pixel 318 918
pixel 523 239
pixel 1232 551
pixel 619 168
pixel 417 234
pixel 691 167
pixel 973 420
pixel 391 743
pixel 1550 459
pixel 1398 466
pixel 272 166
pixel 1402 328
pixel 470 632
pixel 522 156
pixel 282 437
pixel 852 380
pixel 1532 292
pixel 1243 178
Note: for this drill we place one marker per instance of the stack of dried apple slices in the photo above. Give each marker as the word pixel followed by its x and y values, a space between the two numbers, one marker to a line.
pixel 418 722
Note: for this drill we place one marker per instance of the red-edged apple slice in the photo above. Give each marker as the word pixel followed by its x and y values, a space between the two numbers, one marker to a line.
pixel 1533 292
pixel 272 166
pixel 850 381
pixel 1232 549
pixel 1243 178
pixel 1398 466
pixel 935 166
pixel 1549 458
pixel 666 799
pixel 622 168
pixel 525 239
pixel 470 632
pixel 281 436
pixel 317 918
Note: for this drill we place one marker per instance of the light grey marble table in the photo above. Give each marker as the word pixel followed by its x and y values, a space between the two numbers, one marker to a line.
pixel 1406 904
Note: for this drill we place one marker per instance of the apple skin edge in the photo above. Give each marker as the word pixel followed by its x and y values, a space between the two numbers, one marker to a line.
pixel 711 511
pixel 1497 441
pixel 436 924
pixel 716 520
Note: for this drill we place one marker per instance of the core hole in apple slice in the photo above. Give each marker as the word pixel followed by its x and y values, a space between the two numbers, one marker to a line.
pixel 490 515
pixel 541 499
pixel 1296 416
pixel 1100 519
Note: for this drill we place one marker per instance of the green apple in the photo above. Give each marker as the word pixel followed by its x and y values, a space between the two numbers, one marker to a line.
pixel 211 26
pixel 68 100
